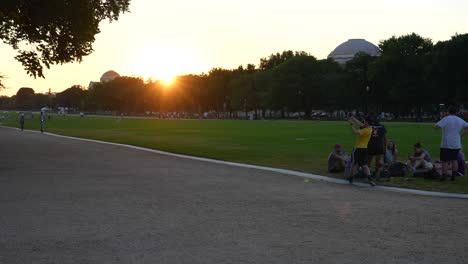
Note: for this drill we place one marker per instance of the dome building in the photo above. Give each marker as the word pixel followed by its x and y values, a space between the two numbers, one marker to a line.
pixel 106 77
pixel 347 50
pixel 109 76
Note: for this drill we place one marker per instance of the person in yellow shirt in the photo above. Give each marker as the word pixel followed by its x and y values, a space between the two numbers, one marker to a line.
pixel 360 156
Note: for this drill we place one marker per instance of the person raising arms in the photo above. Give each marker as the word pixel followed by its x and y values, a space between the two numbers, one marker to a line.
pixel 363 134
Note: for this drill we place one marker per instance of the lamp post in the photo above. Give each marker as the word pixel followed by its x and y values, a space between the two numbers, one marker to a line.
pixel 245 108
pixel 367 98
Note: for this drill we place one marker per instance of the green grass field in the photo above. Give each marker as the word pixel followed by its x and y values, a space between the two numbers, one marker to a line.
pixel 296 145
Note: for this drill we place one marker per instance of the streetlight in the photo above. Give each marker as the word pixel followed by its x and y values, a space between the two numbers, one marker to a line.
pixel 245 108
pixel 367 98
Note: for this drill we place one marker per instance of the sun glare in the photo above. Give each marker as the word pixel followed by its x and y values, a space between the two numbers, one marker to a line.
pixel 167 80
pixel 162 63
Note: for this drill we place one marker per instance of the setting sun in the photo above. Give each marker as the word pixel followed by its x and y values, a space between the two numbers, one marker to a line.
pixel 162 63
pixel 167 80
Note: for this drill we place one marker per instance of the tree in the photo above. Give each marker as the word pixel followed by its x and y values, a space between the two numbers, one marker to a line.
pixel 41 100
pixel 263 84
pixel 25 98
pixel 332 86
pixel 218 88
pixel 401 70
pixel 7 103
pixel 243 95
pixel 276 59
pixel 298 84
pixel 448 72
pixel 123 94
pixel 72 97
pixel 410 76
pixel 2 86
pixel 357 81
pixel 54 31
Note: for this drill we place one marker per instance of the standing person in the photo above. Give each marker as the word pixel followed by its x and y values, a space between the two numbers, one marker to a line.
pixel 453 128
pixel 377 144
pixel 41 119
pixel 22 121
pixel 360 155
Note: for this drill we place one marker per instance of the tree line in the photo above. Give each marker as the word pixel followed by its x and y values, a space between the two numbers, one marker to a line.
pixel 412 75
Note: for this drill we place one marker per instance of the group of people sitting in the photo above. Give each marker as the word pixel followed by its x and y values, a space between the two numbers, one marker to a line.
pixel 422 164
pixel 385 154
pixel 386 165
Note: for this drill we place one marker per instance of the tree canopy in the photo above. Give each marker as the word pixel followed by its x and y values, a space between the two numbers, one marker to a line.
pixel 412 76
pixel 54 31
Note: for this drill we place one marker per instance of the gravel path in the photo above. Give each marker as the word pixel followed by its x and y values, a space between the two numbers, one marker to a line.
pixel 66 201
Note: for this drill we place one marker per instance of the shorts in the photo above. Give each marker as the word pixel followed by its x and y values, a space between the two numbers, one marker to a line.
pixel 360 157
pixel 375 150
pixel 448 154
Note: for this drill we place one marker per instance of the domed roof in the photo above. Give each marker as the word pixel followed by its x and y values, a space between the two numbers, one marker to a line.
pixel 109 76
pixel 347 50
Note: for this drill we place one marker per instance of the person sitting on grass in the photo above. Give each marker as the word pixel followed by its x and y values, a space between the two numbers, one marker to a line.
pixel 337 160
pixel 421 160
pixel 391 153
pixel 392 166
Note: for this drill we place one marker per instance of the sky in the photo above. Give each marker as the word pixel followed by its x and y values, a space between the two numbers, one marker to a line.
pixel 161 39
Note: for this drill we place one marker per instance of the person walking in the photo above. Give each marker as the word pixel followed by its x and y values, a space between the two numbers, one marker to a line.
pixel 22 121
pixel 453 128
pixel 41 119
pixel 360 154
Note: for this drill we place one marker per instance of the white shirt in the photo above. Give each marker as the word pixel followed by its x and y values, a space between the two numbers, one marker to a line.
pixel 451 126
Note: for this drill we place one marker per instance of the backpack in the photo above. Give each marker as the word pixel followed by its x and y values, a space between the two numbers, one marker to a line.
pixel 398 169
pixel 385 174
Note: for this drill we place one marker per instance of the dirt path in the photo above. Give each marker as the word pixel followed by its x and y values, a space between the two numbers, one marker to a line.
pixel 66 201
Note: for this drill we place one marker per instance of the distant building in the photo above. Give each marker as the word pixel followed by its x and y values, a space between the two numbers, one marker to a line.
pixel 347 50
pixel 109 76
pixel 92 84
pixel 106 77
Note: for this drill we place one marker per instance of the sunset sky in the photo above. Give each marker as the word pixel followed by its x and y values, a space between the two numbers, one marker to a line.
pixel 166 38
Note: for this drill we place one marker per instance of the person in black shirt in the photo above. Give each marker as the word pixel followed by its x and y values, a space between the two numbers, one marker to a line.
pixel 377 144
